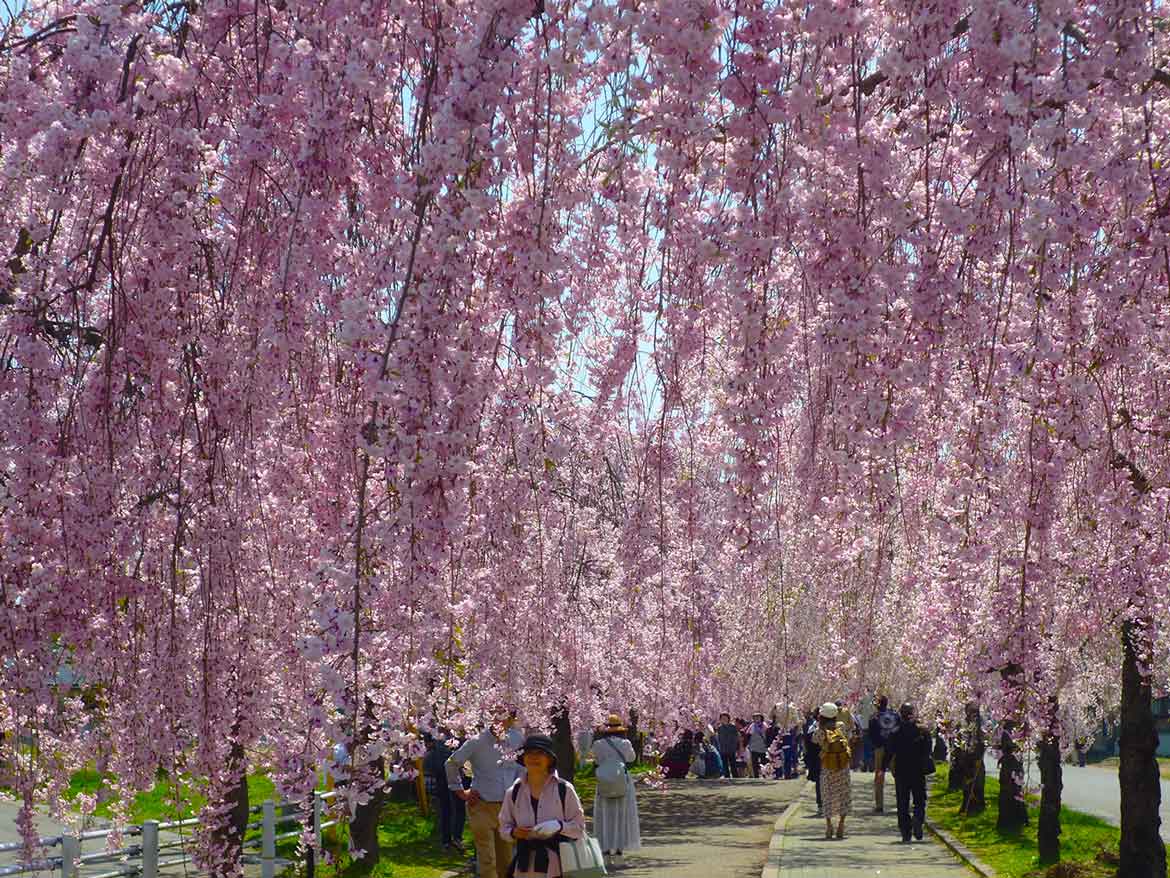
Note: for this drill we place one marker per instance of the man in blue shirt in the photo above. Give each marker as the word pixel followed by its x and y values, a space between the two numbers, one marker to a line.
pixel 493 770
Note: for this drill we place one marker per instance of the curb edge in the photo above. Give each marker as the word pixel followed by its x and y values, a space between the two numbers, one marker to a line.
pixel 776 845
pixel 959 849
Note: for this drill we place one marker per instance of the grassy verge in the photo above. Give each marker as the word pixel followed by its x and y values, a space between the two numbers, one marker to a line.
pixel 1088 844
pixel 410 848
pixel 1113 763
pixel 169 799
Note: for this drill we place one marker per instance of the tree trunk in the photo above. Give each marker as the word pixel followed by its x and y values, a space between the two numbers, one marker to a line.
pixel 637 739
pixel 957 778
pixel 1051 784
pixel 229 838
pixel 975 793
pixel 563 740
pixel 1143 854
pixel 363 828
pixel 1013 810
pixel 975 772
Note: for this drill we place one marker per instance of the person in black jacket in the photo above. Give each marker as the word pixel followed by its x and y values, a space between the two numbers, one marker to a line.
pixel 909 747
pixel 452 812
pixel 812 756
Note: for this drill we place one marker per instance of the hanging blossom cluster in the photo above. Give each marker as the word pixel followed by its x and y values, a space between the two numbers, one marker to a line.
pixel 366 365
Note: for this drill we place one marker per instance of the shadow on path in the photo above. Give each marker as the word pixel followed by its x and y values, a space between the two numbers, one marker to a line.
pixel 872 845
pixel 703 829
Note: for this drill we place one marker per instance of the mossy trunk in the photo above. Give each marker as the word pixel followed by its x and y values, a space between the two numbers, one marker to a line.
pixel 957 776
pixel 974 770
pixel 1142 851
pixel 1013 810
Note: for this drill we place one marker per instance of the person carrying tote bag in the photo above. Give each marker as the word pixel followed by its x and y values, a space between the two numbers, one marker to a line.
pixel 615 817
pixel 542 814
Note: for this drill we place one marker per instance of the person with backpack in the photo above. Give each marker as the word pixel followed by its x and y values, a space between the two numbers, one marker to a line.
pixel 539 811
pixel 882 725
pixel 836 757
pixel 615 807
pixel 909 748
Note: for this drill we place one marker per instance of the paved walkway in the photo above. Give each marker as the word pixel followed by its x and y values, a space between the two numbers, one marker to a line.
pixel 707 828
pixel 872 845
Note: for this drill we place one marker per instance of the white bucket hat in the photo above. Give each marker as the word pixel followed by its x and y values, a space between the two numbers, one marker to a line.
pixel 829 710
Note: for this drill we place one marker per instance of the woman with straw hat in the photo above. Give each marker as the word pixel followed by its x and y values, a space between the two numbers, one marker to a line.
pixel 836 755
pixel 615 808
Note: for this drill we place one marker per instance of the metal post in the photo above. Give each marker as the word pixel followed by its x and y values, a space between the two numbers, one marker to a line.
pixel 268 840
pixel 70 852
pixel 150 849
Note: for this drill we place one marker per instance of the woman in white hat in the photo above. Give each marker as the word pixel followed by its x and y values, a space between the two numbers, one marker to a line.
pixel 835 760
pixel 615 808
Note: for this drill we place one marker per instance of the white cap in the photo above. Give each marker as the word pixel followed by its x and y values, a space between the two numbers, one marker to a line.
pixel 828 710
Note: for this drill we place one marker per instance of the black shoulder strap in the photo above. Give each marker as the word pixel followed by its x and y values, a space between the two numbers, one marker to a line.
pixel 561 789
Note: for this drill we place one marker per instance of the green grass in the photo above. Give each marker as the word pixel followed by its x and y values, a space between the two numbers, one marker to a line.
pixel 169 799
pixel 410 848
pixel 1086 843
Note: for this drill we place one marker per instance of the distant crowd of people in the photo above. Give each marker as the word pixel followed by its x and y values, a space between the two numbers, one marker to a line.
pixel 831 742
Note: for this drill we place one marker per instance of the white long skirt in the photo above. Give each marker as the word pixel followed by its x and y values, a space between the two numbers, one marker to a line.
pixel 615 821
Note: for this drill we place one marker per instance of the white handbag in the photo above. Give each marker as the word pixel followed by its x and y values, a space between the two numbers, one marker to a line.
pixel 581 858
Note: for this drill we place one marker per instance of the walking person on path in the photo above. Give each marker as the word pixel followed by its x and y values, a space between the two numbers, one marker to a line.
pixel 539 810
pixel 452 813
pixel 615 817
pixel 757 743
pixel 881 726
pixel 727 740
pixel 835 760
pixel 812 756
pixel 909 747
pixel 493 772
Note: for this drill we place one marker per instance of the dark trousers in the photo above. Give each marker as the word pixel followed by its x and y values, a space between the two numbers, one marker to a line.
pixel 728 760
pixel 908 787
pixel 452 814
pixel 818 792
pixel 757 762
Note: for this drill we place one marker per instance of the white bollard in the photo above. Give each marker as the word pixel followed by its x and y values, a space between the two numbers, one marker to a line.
pixel 70 852
pixel 268 840
pixel 150 849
